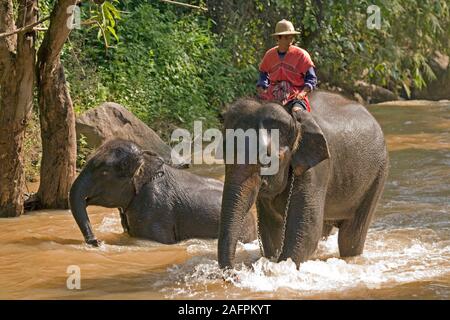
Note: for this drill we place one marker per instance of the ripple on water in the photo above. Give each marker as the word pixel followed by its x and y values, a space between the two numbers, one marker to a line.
pixel 111 223
pixel 114 239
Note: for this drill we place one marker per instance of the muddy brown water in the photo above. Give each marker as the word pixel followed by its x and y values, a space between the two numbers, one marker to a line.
pixel 407 253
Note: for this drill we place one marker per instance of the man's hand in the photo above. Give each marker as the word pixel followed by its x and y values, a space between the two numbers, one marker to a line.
pixel 302 95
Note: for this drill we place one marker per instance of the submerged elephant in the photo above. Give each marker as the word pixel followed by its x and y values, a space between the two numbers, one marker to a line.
pixel 156 201
pixel 333 164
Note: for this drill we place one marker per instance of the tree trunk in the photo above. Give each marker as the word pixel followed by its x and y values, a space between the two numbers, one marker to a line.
pixel 58 138
pixel 57 117
pixel 17 62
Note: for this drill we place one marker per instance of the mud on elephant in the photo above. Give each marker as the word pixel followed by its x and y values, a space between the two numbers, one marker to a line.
pixel 333 161
pixel 156 201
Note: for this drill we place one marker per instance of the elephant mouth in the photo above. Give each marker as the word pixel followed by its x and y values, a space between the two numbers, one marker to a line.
pixel 92 200
pixel 265 186
pixel 267 191
pixel 273 185
pixel 100 201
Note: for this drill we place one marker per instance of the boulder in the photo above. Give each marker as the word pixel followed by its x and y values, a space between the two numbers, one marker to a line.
pixel 361 91
pixel 372 93
pixel 111 120
pixel 438 89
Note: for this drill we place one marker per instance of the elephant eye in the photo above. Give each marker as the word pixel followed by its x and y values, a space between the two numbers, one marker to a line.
pixel 105 172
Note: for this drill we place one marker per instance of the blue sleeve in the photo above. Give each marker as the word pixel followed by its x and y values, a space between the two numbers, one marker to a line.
pixel 263 80
pixel 311 79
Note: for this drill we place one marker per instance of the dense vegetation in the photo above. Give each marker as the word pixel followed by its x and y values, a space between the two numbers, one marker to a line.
pixel 168 68
pixel 172 65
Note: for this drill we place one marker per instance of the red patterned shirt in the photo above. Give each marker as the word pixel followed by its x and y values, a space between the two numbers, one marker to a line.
pixel 286 74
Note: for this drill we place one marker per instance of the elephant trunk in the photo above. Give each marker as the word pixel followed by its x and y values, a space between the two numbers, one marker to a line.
pixel 240 192
pixel 77 199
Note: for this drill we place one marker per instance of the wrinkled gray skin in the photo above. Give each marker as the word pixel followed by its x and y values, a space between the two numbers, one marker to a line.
pixel 340 169
pixel 156 201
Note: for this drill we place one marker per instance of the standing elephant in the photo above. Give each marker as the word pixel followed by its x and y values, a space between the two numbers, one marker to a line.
pixel 156 201
pixel 333 164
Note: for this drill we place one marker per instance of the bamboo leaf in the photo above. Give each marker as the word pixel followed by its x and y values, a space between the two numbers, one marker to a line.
pixel 407 89
pixel 113 32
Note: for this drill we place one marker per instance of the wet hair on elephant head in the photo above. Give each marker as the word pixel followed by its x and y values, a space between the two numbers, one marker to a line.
pixel 156 201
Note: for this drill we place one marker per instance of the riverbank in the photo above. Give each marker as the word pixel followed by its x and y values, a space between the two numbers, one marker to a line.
pixel 413 104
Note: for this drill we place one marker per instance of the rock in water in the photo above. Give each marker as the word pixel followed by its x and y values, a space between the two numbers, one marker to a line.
pixel 372 93
pixel 111 120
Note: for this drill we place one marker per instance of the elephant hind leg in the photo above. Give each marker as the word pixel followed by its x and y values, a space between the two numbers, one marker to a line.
pixel 326 229
pixel 353 232
pixel 124 221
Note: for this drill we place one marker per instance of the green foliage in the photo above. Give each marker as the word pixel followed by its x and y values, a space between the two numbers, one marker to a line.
pixel 168 69
pixel 103 17
pixel 83 151
pixel 342 46
pixel 171 65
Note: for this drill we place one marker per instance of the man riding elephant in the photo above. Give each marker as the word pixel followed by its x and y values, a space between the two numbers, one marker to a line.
pixel 287 72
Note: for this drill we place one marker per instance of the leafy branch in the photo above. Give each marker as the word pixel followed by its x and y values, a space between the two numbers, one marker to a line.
pixel 104 16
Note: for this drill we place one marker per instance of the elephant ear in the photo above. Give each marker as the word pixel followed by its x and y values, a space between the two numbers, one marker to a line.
pixel 312 148
pixel 150 167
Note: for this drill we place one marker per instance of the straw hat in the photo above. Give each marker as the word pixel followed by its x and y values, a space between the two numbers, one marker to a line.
pixel 284 27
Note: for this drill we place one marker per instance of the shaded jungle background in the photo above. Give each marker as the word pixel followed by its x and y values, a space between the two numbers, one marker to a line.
pixel 171 65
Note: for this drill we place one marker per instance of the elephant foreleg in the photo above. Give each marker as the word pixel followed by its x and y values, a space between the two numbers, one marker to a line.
pixel 305 219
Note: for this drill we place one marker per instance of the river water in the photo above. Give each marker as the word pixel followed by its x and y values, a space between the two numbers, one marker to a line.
pixel 407 253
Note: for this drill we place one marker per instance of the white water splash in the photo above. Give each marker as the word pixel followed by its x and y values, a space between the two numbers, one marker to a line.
pixel 389 259
pixel 372 270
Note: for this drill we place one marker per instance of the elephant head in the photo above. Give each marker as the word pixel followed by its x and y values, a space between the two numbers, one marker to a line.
pixel 302 145
pixel 111 178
